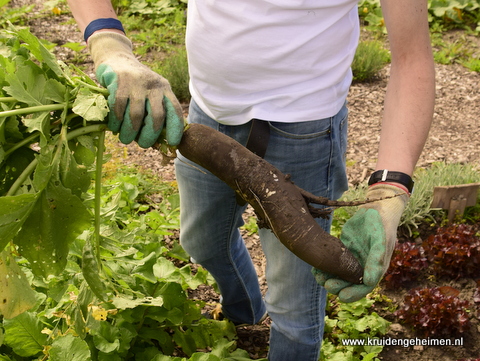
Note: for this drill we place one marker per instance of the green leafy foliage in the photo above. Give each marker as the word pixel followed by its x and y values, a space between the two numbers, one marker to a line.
pixel 113 289
pixel 352 321
pixel 451 13
pixel 445 17
pixel 165 21
pixel 13 15
pixel 42 208
pixel 134 304
pixel 13 282
pixel 24 334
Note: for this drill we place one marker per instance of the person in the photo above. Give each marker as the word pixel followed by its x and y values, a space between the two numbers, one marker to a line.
pixel 281 70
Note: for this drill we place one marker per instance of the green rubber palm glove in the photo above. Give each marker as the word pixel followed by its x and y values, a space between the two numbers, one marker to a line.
pixel 142 100
pixel 371 235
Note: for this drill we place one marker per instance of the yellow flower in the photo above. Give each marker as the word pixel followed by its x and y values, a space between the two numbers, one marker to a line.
pixel 99 313
pixel 56 11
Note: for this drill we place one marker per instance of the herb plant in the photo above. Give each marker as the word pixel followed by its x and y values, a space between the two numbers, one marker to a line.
pixel 369 60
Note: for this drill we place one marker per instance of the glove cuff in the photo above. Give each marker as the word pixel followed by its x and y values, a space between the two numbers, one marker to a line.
pixel 392 203
pixel 107 44
pixel 386 191
pixel 101 24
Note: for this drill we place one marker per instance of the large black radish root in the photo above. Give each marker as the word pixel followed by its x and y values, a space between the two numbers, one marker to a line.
pixel 278 202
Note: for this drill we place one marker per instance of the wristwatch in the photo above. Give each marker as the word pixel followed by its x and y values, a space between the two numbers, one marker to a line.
pixel 385 175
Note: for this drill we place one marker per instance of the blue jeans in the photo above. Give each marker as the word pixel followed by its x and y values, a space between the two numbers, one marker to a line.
pixel 313 153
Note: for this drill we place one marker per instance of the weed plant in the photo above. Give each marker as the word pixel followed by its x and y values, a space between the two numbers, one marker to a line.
pixel 460 14
pixel 444 15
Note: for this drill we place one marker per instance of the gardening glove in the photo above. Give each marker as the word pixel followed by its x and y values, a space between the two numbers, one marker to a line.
pixel 371 235
pixel 142 100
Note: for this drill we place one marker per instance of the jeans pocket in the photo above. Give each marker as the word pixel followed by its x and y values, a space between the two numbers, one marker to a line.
pixel 302 130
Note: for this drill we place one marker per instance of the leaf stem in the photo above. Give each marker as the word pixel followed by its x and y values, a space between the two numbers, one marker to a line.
pixel 94 88
pixel 86 130
pixel 8 100
pixel 34 109
pixel 31 167
pixel 20 144
pixel 22 177
pixel 98 192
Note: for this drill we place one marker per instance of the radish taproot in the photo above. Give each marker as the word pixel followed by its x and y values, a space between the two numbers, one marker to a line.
pixel 279 204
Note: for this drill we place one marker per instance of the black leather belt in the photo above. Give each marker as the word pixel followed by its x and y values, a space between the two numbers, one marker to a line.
pixel 258 138
pixel 257 143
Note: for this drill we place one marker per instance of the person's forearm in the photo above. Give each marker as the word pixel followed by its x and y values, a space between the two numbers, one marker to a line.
pixel 407 116
pixel 409 102
pixel 84 11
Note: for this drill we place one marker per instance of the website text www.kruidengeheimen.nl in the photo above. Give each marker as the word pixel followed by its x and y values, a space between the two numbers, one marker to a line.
pixel 403 342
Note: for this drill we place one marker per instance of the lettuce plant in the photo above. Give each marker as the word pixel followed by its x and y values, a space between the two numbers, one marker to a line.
pixel 435 311
pixel 454 251
pixel 408 260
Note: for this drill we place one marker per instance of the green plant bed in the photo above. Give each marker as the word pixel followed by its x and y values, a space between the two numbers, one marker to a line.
pixel 90 269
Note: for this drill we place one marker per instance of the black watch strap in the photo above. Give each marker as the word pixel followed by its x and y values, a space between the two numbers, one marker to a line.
pixel 385 175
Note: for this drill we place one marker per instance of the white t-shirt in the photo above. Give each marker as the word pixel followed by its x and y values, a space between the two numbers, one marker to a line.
pixel 279 60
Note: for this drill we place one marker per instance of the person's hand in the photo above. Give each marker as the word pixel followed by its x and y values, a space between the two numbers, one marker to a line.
pixel 142 100
pixel 371 235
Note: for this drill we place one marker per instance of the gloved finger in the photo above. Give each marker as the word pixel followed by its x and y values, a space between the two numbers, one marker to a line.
pixel 335 285
pixel 132 120
pixel 127 132
pixel 175 123
pixel 320 276
pixel 116 117
pixel 354 293
pixel 157 109
pixel 378 260
pixel 136 114
pixel 374 266
pixel 174 101
pixel 109 79
pixel 151 129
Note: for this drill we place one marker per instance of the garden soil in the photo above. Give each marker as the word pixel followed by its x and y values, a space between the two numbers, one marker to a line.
pixel 454 137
